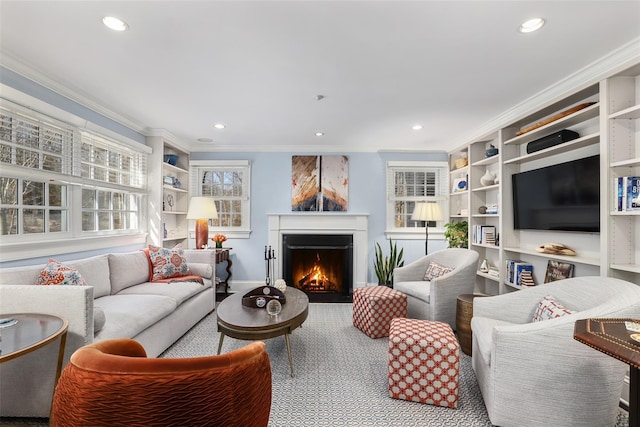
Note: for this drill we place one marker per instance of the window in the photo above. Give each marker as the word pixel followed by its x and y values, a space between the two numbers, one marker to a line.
pixel 228 182
pixel 409 183
pixel 60 182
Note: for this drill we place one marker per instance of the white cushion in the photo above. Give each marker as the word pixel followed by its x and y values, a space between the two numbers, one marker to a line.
pixel 418 289
pixel 128 269
pixel 482 330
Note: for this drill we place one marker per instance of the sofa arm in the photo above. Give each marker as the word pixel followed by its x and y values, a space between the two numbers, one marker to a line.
pixel 26 383
pixel 201 269
pixel 203 256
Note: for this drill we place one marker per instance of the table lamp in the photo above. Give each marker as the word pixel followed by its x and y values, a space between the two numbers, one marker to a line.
pixel 202 209
pixel 427 211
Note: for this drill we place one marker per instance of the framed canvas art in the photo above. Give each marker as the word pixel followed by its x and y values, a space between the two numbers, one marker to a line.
pixel 319 183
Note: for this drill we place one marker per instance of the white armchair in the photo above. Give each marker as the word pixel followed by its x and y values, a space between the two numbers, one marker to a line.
pixel 536 374
pixel 436 299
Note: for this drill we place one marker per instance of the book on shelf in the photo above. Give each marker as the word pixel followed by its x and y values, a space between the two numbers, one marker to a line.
pixel 557 270
pixel 627 191
pixel 484 234
pixel 520 270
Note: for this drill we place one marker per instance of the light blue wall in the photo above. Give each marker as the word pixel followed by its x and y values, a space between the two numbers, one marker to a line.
pixel 270 187
pixel 271 194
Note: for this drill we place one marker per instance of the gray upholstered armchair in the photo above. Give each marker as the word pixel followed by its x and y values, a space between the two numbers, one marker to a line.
pixel 436 299
pixel 535 373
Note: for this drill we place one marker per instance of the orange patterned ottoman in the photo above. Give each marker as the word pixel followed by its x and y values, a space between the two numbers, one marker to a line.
pixel 375 306
pixel 424 362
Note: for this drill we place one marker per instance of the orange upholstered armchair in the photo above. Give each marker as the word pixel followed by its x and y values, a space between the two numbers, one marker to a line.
pixel 113 383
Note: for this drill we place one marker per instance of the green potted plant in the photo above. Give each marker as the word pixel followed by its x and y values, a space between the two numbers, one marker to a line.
pixel 384 265
pixel 457 234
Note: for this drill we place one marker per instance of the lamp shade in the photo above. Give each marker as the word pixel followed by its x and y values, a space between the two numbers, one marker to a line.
pixel 202 208
pixel 429 211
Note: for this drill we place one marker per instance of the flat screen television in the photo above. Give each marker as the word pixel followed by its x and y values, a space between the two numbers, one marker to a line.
pixel 564 197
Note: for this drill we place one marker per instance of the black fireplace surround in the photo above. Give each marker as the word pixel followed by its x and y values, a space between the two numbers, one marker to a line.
pixel 321 265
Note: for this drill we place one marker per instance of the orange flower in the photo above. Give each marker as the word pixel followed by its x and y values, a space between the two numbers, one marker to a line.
pixel 219 238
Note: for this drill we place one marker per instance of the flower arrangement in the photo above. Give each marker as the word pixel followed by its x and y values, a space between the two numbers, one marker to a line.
pixel 218 239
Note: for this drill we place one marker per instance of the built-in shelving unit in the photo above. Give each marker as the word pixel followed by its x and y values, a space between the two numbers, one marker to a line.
pixel 610 127
pixel 621 152
pixel 169 192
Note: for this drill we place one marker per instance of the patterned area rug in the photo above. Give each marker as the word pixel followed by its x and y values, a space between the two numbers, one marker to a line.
pixel 340 376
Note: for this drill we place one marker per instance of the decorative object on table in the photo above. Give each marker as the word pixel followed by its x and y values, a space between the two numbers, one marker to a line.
pixel 384 265
pixel 170 201
pixel 459 184
pixel 557 270
pixel 427 212
pixel 491 151
pixel 319 183
pixel 218 239
pixel 282 285
pixel 260 296
pixel 274 307
pixel 177 183
pixel 482 210
pixel 488 178
pixel 269 261
pixel 202 209
pixel 555 249
pixel 484 267
pixel 554 118
pixel 548 141
pixel 461 162
pixel 457 234
pixel 172 159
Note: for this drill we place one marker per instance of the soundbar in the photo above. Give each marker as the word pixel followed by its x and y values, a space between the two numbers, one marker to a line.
pixel 551 140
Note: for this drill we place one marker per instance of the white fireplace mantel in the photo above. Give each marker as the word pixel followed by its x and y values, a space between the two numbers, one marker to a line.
pixel 324 223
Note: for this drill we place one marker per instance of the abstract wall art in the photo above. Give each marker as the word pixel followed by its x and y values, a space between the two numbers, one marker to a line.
pixel 319 183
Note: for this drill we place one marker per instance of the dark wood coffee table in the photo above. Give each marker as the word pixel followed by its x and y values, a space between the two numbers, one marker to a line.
pixel 248 323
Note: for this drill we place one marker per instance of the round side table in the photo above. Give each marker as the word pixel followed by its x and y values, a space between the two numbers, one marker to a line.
pixel 464 313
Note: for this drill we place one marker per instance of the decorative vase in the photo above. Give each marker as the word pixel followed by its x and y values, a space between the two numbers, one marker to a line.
pixel 218 244
pixel 484 267
pixel 488 178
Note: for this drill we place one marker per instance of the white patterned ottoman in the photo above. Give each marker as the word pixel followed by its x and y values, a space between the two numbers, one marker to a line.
pixel 424 362
pixel 375 306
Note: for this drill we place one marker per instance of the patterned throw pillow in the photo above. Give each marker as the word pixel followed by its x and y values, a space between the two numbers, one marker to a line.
pixel 549 308
pixel 56 273
pixel 435 270
pixel 167 263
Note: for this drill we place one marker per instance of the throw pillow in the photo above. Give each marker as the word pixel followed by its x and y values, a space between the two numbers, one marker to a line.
pixel 167 263
pixel 435 270
pixel 549 308
pixel 56 273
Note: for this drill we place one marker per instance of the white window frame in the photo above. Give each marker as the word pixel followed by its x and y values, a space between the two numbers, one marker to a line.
pixel 417 232
pixel 197 170
pixel 73 239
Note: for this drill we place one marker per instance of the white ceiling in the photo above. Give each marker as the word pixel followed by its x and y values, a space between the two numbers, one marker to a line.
pixel 256 66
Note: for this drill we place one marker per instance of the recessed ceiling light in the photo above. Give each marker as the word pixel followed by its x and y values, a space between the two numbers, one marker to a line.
pixel 319 97
pixel 205 140
pixel 319 133
pixel 416 127
pixel 219 126
pixel 531 25
pixel 115 23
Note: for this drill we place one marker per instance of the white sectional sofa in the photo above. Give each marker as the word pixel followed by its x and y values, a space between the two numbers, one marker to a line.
pixel 536 373
pixel 154 314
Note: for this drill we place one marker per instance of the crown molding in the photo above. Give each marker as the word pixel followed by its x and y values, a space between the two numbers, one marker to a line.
pixel 30 72
pixel 626 56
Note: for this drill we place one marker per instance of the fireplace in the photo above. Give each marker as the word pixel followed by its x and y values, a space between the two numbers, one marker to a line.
pixel 321 265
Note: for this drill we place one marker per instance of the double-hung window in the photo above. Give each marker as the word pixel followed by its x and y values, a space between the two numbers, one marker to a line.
pixel 228 182
pixel 411 182
pixel 60 183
